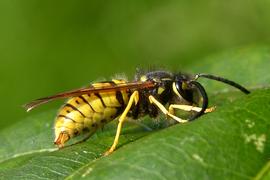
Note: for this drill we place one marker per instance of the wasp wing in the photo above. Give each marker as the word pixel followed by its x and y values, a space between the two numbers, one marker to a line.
pixel 90 90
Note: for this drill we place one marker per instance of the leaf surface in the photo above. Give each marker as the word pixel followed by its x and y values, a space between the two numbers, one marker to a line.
pixel 230 143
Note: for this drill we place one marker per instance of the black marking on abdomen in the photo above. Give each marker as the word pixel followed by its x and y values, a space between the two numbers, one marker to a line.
pixel 85 101
pixel 85 129
pixel 75 109
pixel 119 97
pixel 66 117
pixel 103 121
pixel 119 111
pixel 76 132
pixel 100 98
pixel 118 94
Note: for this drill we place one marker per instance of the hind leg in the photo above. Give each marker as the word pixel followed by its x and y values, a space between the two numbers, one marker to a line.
pixel 134 98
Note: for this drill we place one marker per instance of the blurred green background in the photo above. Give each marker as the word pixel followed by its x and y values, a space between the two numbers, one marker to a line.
pixel 52 46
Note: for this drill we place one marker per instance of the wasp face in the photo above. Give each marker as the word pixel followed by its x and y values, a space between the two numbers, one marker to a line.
pixel 183 90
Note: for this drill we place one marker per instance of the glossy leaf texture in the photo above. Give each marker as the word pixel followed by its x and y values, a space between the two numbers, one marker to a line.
pixel 230 143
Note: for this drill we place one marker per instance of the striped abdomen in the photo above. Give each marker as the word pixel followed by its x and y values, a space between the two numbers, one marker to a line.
pixel 89 112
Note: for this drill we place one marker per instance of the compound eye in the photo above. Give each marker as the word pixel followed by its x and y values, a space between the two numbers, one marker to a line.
pixel 182 89
pixel 178 86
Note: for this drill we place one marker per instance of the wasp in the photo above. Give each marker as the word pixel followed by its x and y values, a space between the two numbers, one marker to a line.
pixel 89 109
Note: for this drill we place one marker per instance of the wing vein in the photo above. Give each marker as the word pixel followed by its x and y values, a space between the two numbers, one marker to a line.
pixel 91 90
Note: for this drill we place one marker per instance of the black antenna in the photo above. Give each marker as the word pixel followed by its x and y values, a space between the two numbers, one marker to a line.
pixel 226 81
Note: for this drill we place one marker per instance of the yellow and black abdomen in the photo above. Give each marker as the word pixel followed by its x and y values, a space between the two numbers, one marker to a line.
pixel 89 112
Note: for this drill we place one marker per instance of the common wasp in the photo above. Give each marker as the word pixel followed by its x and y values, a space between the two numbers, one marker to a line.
pixel 90 108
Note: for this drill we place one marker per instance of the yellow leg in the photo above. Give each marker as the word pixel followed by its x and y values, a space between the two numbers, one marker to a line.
pixel 134 98
pixel 188 108
pixel 164 110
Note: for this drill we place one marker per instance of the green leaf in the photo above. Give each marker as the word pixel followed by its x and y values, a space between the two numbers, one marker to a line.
pixel 230 143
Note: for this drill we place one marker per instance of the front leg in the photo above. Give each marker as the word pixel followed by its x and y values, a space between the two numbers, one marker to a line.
pixel 154 101
pixel 189 108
